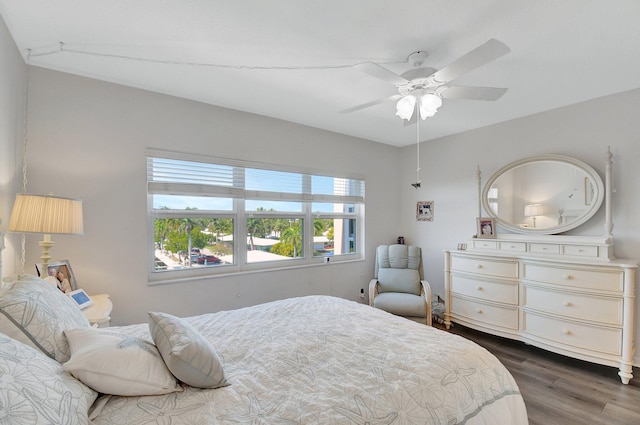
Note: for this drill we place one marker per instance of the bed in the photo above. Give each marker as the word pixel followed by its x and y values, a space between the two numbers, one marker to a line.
pixel 306 360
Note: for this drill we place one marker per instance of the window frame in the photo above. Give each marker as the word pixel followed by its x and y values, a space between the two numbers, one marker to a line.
pixel 240 216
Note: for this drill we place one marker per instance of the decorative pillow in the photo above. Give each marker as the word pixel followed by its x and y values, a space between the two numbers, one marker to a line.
pixel 35 313
pixel 187 354
pixel 115 363
pixel 34 389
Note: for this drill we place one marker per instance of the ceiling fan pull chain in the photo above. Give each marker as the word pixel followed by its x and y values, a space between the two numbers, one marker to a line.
pixel 417 147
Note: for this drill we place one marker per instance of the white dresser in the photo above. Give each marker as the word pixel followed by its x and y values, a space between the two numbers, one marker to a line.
pixel 565 294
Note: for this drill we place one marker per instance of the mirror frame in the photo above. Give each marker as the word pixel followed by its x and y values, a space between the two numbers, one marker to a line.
pixel 588 170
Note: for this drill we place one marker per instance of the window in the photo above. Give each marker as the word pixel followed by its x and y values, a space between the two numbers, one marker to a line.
pixel 199 208
pixel 492 199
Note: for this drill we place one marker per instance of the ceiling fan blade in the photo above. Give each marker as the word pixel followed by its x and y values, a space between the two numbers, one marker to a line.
pixel 489 51
pixel 372 103
pixel 471 93
pixel 382 73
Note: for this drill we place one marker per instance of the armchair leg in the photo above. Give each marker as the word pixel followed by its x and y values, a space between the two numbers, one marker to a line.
pixel 426 287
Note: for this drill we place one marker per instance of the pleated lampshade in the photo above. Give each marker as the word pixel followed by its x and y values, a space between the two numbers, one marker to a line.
pixel 46 214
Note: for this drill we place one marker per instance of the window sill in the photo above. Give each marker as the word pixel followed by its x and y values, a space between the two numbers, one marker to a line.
pixel 163 280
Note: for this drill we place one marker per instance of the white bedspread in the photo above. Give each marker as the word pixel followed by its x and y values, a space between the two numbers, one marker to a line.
pixel 324 360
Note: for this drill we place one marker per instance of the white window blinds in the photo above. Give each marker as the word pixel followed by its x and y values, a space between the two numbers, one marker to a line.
pixel 171 176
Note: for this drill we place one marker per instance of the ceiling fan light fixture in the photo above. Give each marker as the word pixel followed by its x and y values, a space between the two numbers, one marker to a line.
pixel 431 101
pixel 405 107
pixel 429 104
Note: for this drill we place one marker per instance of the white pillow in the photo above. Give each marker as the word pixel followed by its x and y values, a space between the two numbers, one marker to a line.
pixel 187 354
pixel 34 389
pixel 115 363
pixel 36 313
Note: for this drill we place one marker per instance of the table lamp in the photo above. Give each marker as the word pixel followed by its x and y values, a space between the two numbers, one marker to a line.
pixel 533 210
pixel 46 214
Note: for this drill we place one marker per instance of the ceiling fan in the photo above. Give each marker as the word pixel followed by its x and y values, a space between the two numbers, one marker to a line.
pixel 423 88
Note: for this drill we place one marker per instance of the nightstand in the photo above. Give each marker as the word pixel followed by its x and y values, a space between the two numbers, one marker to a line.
pixel 99 313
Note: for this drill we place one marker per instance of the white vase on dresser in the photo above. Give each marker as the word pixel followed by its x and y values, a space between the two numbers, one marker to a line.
pixel 565 294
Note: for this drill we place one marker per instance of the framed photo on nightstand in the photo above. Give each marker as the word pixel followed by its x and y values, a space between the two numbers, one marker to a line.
pixel 62 271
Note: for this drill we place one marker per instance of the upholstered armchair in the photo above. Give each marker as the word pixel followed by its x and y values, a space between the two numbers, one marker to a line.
pixel 397 286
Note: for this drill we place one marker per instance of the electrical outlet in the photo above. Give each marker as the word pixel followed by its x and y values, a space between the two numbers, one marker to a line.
pixel 362 293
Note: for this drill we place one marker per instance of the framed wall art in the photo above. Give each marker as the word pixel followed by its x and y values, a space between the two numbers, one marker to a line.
pixel 424 211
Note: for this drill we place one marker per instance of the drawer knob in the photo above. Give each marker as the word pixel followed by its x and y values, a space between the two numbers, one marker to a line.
pixel 479 288
pixel 479 266
pixel 566 303
pixel 567 277
pixel 478 310
pixel 566 331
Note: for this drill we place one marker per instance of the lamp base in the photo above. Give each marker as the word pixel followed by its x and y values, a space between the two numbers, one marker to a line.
pixel 46 245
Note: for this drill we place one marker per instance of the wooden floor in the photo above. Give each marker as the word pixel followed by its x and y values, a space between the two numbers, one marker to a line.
pixel 558 390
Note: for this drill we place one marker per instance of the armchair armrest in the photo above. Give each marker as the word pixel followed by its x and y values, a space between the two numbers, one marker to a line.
pixel 373 290
pixel 426 289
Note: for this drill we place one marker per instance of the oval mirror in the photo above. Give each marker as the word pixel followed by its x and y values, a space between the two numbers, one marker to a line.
pixel 545 194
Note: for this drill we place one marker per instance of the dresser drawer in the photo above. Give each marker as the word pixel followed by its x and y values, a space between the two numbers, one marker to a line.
pixel 580 250
pixel 578 335
pixel 512 246
pixel 485 244
pixel 503 292
pixel 605 310
pixel 544 248
pixel 505 317
pixel 486 267
pixel 606 280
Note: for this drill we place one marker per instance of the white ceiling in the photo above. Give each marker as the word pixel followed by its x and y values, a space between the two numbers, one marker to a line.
pixel 292 59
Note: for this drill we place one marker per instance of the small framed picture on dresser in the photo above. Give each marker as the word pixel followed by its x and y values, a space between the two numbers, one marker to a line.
pixel 486 228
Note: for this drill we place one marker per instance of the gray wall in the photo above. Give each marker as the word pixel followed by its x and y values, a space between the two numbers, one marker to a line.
pixel 88 141
pixel 583 131
pixel 13 76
